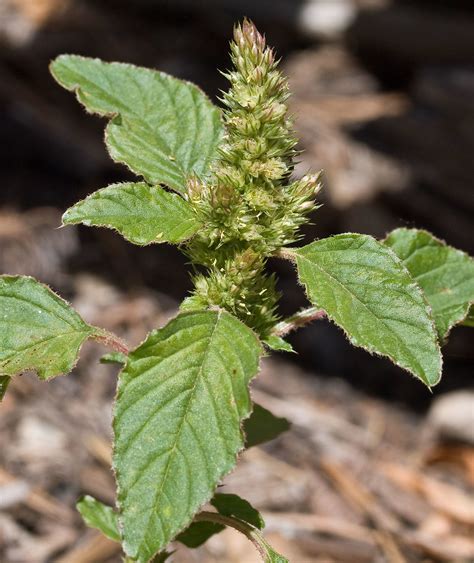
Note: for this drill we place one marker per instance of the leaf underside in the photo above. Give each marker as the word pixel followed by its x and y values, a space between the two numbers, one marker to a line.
pixel 445 274
pixel 366 290
pixel 230 504
pixel 227 504
pixel 263 426
pixel 198 533
pixel 162 128
pixel 143 214
pixel 181 399
pixel 38 330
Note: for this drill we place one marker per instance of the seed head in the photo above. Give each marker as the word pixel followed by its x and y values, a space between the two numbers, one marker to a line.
pixel 248 206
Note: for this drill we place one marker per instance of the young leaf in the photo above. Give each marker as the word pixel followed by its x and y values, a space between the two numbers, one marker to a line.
pixel 445 274
pixel 162 128
pixel 198 533
pixel 233 505
pixel 263 426
pixel 365 289
pixel 181 399
pixel 277 343
pixel 114 358
pixel 141 213
pixel 38 330
pixel 99 516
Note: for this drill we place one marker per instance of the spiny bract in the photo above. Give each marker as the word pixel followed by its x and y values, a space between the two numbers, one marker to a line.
pixel 249 206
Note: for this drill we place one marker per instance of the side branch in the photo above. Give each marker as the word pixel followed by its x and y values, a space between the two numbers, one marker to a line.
pixel 303 317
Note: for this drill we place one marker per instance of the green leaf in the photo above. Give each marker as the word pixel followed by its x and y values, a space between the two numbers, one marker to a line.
pixel 38 330
pixel 263 426
pixel 228 505
pixel 273 557
pixel 4 382
pixel 141 213
pixel 365 289
pixel 162 128
pixel 162 557
pixel 233 505
pixel 180 403
pixel 278 343
pixel 445 274
pixel 198 533
pixel 254 534
pixel 99 516
pixel 114 358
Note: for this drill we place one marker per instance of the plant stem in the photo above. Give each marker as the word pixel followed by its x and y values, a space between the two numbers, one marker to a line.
pixel 303 317
pixel 286 254
pixel 111 340
pixel 252 533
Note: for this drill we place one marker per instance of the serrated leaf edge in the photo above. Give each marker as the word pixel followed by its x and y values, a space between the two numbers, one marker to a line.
pixel 369 349
pixel 91 333
pixel 237 453
pixel 445 244
pixel 77 90
pixel 159 240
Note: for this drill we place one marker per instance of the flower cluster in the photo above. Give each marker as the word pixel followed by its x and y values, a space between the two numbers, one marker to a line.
pixel 249 205
pixel 240 287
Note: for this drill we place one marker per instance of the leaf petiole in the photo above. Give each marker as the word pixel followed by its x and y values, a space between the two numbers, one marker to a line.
pixel 286 254
pixel 301 318
pixel 110 340
pixel 267 553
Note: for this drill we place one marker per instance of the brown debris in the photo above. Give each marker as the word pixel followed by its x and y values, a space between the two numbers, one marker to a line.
pixel 93 547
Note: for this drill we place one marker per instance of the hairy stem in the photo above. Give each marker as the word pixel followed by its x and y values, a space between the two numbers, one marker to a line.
pixel 303 317
pixel 285 254
pixel 111 341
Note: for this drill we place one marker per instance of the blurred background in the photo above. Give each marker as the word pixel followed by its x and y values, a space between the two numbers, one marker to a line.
pixel 375 467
